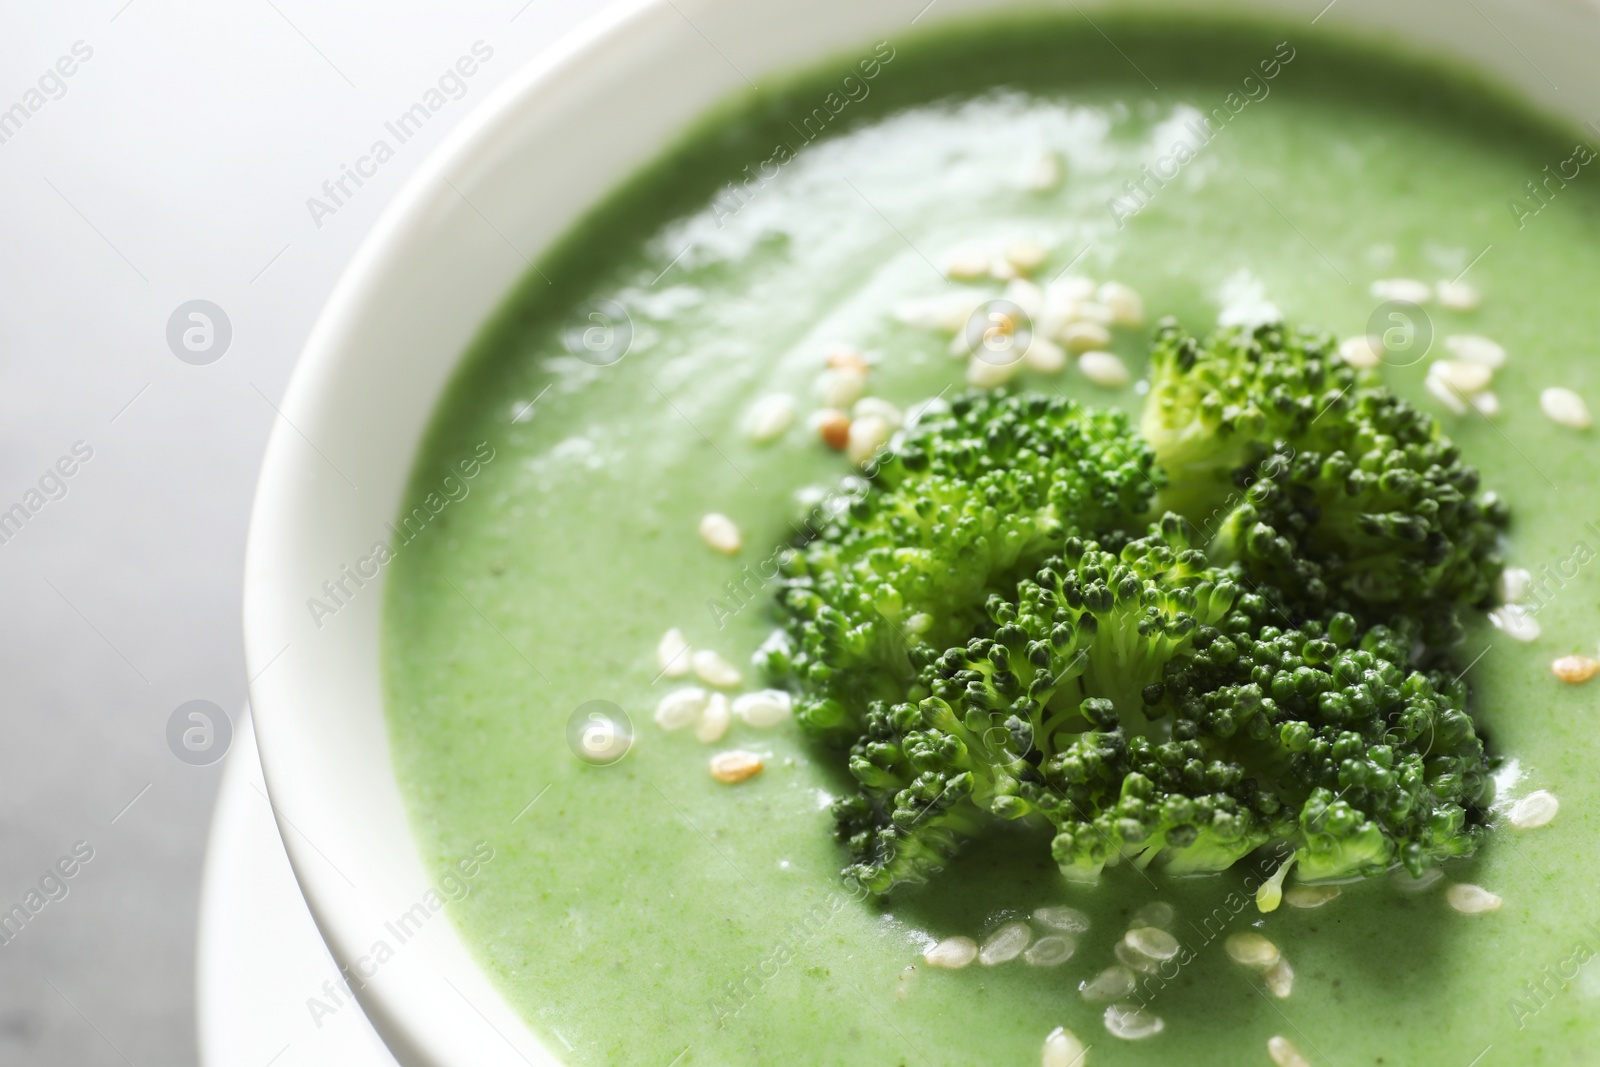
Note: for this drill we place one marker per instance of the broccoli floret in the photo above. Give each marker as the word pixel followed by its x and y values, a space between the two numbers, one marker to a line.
pixel 1264 665
pixel 966 502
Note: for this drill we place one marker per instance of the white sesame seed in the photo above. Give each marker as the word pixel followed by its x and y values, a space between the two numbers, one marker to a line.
pixel 966 263
pixel 1090 311
pixel 1104 368
pixel 1127 307
pixel 1027 256
pixel 1062 1049
pixel 833 427
pixel 842 386
pixel 1285 1054
pixel 1457 296
pixel 770 417
pixel 1045 356
pixel 952 954
pixel 1471 899
pixel 718 531
pixel 672 654
pixel 1402 880
pixel 1156 913
pixel 1084 336
pixel 1575 669
pixel 947 312
pixel 1513 584
pixel 1309 896
pixel 1070 290
pixel 1135 960
pixel 1514 621
pixel 1042 173
pixel 1475 349
pixel 1005 944
pixel 1535 810
pixel 1061 917
pixel 1051 950
pixel 735 765
pixel 867 436
pixel 1132 1023
pixel 1361 352
pixel 1279 978
pixel 712 669
pixel 1445 395
pixel 877 407
pixel 1027 296
pixel 1109 984
pixel 1462 376
pixel 1151 941
pixel 982 374
pixel 1487 403
pixel 1251 949
pixel 765 708
pixel 713 720
pixel 1408 289
pixel 843 356
pixel 1565 408
pixel 680 708
pixel 1001 269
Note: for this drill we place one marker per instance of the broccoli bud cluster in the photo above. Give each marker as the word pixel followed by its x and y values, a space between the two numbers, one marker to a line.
pixel 990 636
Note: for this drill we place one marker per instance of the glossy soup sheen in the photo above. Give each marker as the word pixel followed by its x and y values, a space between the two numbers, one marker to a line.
pixel 643 911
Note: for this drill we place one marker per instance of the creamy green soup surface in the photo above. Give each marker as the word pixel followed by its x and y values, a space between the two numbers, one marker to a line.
pixel 643 911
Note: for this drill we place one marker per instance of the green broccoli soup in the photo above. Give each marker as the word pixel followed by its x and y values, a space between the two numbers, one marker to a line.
pixel 1034 543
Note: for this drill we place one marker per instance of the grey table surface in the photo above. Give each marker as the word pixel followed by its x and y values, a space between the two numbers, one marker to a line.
pixel 175 162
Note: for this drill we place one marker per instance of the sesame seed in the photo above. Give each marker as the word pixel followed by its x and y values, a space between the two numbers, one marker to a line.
pixel 1104 368
pixel 948 312
pixel 1109 984
pixel 1462 376
pixel 712 669
pixel 1051 950
pixel 1156 913
pixel 1062 1049
pixel 1513 584
pixel 1151 941
pixel 878 408
pixel 951 954
pixel 1045 356
pixel 718 531
pixel 1565 408
pixel 735 766
pixel 1127 307
pixel 1285 1054
pixel 1132 1023
pixel 867 435
pixel 1471 899
pixel 1475 349
pixel 770 417
pixel 841 357
pixel 713 720
pixel 1061 917
pixel 1005 944
pixel 672 654
pixel 1487 403
pixel 966 264
pixel 1251 949
pixel 1135 960
pixel 982 374
pixel 1445 395
pixel 843 386
pixel 1072 289
pixel 1084 336
pixel 833 427
pixel 1090 311
pixel 1408 289
pixel 1361 352
pixel 1309 896
pixel 1279 978
pixel 1575 669
pixel 1403 881
pixel 1514 621
pixel 765 708
pixel 1535 810
pixel 1457 296
pixel 1001 269
pixel 1043 173
pixel 1027 256
pixel 680 707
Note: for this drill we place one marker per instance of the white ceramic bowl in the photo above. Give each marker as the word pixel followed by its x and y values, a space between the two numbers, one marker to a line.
pixel 507 183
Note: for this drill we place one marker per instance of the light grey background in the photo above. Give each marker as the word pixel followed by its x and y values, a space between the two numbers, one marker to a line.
pixel 176 165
